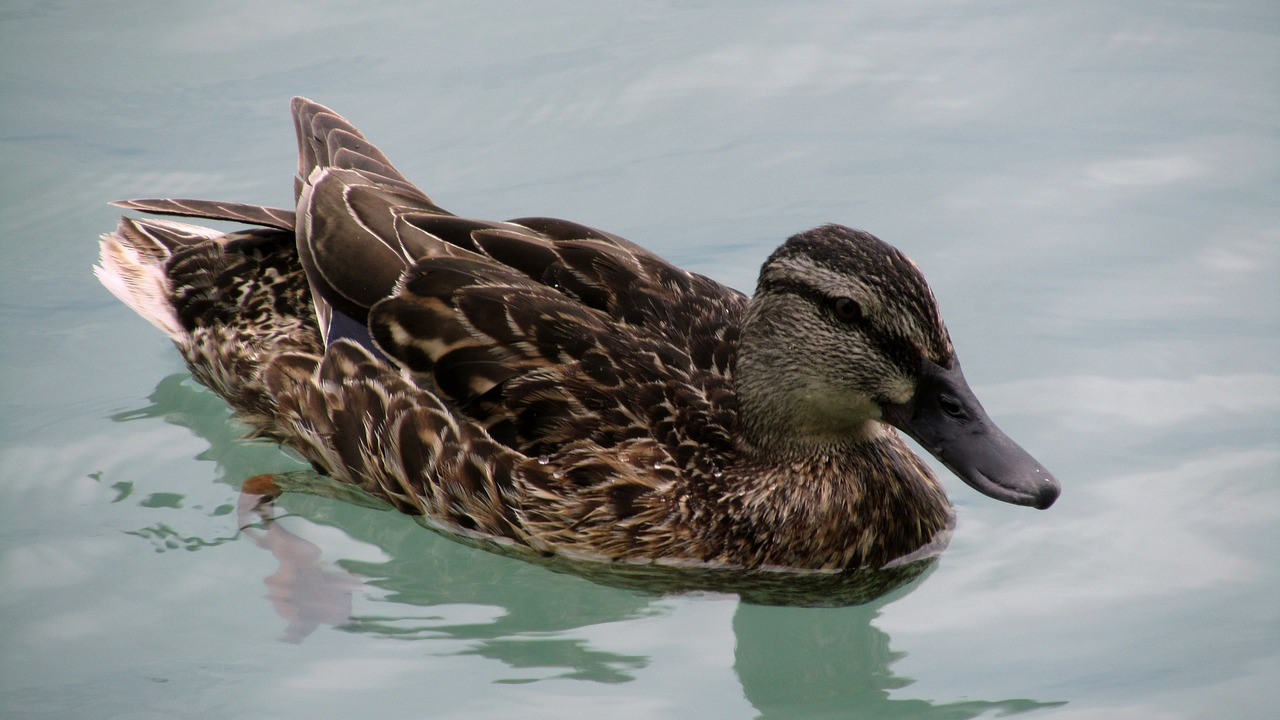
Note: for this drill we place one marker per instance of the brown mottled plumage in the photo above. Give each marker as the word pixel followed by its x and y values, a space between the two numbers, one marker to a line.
pixel 556 387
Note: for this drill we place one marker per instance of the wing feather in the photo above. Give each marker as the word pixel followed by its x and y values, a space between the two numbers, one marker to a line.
pixel 278 218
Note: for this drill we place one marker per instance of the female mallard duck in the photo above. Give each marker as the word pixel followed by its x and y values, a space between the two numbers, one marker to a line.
pixel 545 384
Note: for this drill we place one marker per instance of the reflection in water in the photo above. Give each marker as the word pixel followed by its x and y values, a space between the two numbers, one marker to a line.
pixel 305 591
pixel 828 662
pixel 789 660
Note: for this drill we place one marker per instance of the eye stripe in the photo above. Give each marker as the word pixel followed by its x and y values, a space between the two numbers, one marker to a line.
pixel 825 302
pixel 892 346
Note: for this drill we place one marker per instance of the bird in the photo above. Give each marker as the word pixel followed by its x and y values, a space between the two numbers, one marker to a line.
pixel 557 390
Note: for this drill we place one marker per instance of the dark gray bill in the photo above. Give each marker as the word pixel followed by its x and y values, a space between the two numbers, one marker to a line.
pixel 946 418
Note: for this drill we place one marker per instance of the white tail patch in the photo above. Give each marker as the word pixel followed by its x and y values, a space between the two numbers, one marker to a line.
pixel 138 280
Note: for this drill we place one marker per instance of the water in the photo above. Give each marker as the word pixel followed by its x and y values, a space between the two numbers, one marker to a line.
pixel 1090 188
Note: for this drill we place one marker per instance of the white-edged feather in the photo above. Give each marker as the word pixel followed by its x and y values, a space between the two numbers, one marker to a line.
pixel 138 280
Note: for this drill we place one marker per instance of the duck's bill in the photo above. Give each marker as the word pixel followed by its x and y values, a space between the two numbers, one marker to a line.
pixel 946 418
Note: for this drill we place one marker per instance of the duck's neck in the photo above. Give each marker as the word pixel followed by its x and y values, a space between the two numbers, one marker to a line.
pixel 818 481
pixel 862 503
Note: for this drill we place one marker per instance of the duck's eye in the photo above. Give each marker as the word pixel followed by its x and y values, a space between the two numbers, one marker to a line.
pixel 952 407
pixel 846 309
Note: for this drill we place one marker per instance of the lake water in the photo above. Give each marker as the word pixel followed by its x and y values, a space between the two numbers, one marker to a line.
pixel 1092 188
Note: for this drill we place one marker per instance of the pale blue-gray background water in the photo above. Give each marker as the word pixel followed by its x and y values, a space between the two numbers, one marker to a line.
pixel 1091 188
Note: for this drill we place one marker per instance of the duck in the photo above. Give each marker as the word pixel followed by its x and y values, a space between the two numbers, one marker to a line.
pixel 554 388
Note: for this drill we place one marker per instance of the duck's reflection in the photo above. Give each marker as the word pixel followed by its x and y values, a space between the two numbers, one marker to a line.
pixel 306 591
pixel 789 660
pixel 833 662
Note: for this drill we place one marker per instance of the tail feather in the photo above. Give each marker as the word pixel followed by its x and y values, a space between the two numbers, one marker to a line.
pixel 132 264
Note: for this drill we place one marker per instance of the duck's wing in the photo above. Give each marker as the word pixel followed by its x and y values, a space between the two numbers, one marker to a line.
pixel 542 330
pixel 542 369
pixel 361 225
pixel 561 376
pixel 502 319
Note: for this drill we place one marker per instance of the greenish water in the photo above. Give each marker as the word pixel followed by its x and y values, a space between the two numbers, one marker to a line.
pixel 1090 188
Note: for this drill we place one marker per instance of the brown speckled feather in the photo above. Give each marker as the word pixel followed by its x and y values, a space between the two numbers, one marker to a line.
pixel 537 382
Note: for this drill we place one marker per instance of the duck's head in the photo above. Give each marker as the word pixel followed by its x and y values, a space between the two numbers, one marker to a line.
pixel 843 335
